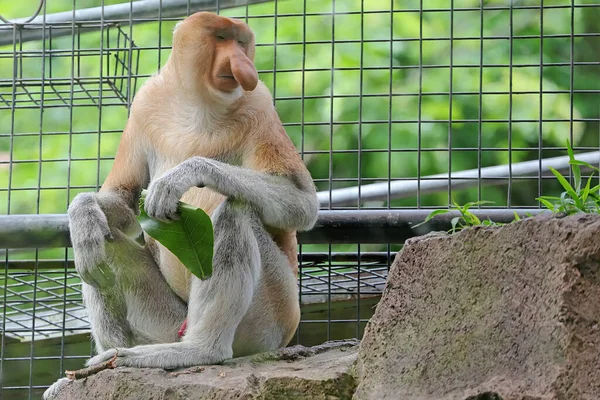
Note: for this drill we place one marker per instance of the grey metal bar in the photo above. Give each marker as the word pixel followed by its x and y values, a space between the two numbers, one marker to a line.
pixel 305 258
pixel 495 175
pixel 332 227
pixel 128 12
pixel 31 231
pixel 390 226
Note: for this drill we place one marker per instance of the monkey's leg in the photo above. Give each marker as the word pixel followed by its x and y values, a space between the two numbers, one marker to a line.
pixel 131 303
pixel 216 305
pixel 274 313
pixel 140 307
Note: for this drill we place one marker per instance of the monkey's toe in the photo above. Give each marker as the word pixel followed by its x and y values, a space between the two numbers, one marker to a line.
pixel 56 387
pixel 102 357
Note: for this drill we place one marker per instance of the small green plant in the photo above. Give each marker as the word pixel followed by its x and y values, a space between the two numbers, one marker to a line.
pixel 190 239
pixel 466 219
pixel 575 198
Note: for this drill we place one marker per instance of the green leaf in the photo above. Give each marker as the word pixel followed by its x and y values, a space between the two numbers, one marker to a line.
pixel 489 222
pixel 575 167
pixel 565 184
pixel 471 219
pixel 190 238
pixel 584 164
pixel 546 203
pixel 551 198
pixel 454 223
pixel 586 189
pixel 431 215
pixel 570 150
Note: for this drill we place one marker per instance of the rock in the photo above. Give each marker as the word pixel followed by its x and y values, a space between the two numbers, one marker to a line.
pixel 320 372
pixel 507 313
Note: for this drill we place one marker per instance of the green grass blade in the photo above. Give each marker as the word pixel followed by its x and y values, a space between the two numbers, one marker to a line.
pixel 584 164
pixel 565 184
pixel 586 189
pixel 546 203
pixel 454 223
pixel 434 213
pixel 570 150
pixel 471 219
pixel 430 216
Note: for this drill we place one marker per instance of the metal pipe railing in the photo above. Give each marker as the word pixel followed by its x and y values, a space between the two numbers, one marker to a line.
pixel 336 226
pixel 495 175
pixel 332 227
pixel 138 11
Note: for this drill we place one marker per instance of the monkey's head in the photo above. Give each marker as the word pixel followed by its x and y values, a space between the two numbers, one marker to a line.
pixel 216 51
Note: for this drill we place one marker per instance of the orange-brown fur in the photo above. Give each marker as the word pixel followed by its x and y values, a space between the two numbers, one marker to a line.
pixel 165 120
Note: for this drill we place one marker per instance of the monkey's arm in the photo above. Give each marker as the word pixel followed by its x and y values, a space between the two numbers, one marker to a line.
pixel 284 202
pixel 129 173
pixel 94 217
pixel 279 201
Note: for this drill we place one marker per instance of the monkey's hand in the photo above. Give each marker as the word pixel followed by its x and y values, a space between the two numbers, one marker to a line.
pixel 165 192
pixel 89 231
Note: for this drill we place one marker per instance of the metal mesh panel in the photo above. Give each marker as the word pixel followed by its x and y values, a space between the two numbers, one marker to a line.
pixel 393 105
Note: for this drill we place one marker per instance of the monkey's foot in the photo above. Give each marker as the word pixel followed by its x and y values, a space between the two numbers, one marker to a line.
pixel 56 387
pixel 166 356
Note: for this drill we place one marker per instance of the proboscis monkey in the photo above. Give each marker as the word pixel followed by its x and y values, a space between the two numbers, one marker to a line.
pixel 204 131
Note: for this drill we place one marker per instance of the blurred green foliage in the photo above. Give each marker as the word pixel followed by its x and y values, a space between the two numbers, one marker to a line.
pixel 362 119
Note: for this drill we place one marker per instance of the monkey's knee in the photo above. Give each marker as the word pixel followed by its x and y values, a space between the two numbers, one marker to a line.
pixel 233 214
pixel 89 231
pixel 119 215
pixel 237 252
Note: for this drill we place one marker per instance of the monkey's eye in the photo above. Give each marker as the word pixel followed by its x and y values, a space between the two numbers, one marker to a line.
pixel 220 37
pixel 241 42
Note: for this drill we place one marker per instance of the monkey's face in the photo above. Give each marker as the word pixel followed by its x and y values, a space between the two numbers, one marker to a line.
pixel 223 51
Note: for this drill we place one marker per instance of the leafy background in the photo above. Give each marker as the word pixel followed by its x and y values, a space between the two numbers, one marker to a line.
pixel 380 116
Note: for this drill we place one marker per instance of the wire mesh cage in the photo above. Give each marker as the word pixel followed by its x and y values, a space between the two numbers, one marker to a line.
pixel 66 87
pixel 396 107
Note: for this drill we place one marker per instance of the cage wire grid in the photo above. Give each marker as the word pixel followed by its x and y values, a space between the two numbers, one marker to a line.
pixel 393 105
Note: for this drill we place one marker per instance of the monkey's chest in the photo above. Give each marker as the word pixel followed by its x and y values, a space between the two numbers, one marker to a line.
pixel 170 150
pixel 163 161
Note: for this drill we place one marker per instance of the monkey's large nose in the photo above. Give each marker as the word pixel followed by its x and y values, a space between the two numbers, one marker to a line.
pixel 244 71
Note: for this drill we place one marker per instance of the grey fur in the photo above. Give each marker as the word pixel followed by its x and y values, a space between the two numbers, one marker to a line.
pixel 279 201
pixel 132 308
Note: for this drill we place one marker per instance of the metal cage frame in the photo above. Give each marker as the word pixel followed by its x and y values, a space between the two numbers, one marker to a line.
pixel 364 219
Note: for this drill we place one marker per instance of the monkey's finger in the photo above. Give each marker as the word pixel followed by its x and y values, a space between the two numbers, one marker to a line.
pixel 162 207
